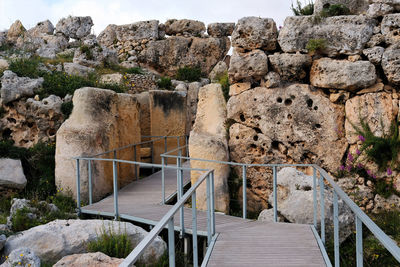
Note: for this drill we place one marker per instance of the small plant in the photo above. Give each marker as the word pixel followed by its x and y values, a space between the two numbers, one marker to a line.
pixel 165 83
pixel 111 243
pixel 135 70
pixel 316 45
pixel 88 53
pixel 188 74
pixel 223 80
pixel 299 10
pixel 66 108
pixel 23 220
pixel 334 10
pixel 26 67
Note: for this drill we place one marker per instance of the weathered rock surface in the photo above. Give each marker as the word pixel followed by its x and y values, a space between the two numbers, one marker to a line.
pixel 390 28
pixel 41 28
pixel 3 239
pixel 3 64
pixel 140 30
pixel 295 198
pixel 69 237
pixel 284 125
pixel 255 33
pixel 98 56
pixel 376 109
pixel 267 215
pixel 12 174
pixel 355 6
pixel 218 71
pixel 250 66
pixel 343 34
pixel 185 27
pixel 192 99
pixel 113 78
pixel 391 64
pixel 291 67
pixel 220 29
pixel 22 257
pixel 271 80
pixel 208 141
pixel 14 87
pixel 77 69
pixel 376 10
pixel 386 204
pixel 374 54
pixel 97 259
pixel 100 121
pixel 342 74
pixel 166 56
pixel 238 88
pixel 75 27
pixel 16 30
pixel 168 116
pixel 29 122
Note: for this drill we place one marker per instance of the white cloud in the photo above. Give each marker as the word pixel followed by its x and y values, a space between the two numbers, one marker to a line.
pixel 104 12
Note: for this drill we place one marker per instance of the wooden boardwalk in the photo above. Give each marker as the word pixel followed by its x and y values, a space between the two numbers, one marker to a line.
pixel 240 242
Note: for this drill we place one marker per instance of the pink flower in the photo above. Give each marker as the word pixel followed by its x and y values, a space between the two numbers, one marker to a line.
pixel 342 167
pixel 358 152
pixel 360 166
pixel 362 138
pixel 349 167
pixel 369 172
pixel 389 171
pixel 374 176
pixel 350 157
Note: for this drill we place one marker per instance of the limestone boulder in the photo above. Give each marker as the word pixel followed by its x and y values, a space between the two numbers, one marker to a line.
pixel 49 45
pixel 386 204
pixel 295 202
pixel 271 80
pixel 250 66
pixel 75 27
pixel 208 140
pixel 220 29
pixel 238 88
pixel 144 114
pixel 374 54
pixel 77 69
pixel 376 109
pixel 393 3
pixel 391 64
pixel 41 28
pixel 343 34
pixel 192 99
pixel 96 57
pixel 390 28
pixel 141 30
pixel 185 27
pixel 291 67
pixel 218 71
pixel 167 56
pixel 22 256
pixel 32 121
pixel 101 120
pixel 97 259
pixel 376 10
pixel 69 237
pixel 14 87
pixel 114 78
pixel 342 74
pixel 11 174
pixel 16 30
pixel 355 6
pixel 267 215
pixel 168 117
pixel 255 33
pixel 3 239
pixel 3 64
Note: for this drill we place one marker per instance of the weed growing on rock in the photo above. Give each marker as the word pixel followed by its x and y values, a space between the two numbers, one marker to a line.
pixel 24 219
pixel 334 10
pixel 66 108
pixel 165 83
pixel 111 243
pixel 88 53
pixel 223 80
pixel 299 10
pixel 26 67
pixel 316 45
pixel 136 70
pixel 191 74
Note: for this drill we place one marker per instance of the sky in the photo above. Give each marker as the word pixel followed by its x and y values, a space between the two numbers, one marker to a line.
pixel 105 12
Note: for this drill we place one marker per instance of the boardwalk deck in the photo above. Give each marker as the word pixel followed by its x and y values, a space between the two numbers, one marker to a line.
pixel 240 242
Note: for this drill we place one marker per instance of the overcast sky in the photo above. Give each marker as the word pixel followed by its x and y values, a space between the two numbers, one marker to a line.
pixel 104 12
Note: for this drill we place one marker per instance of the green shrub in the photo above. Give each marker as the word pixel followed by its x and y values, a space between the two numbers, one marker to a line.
pixel 66 108
pixel 223 80
pixel 21 220
pixel 307 10
pixel 64 202
pixel 188 74
pixel 26 67
pixel 86 50
pixel 335 10
pixel 165 83
pixel 111 243
pixel 136 70
pixel 316 45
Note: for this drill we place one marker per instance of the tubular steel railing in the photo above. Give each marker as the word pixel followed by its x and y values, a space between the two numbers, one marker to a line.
pixel 324 179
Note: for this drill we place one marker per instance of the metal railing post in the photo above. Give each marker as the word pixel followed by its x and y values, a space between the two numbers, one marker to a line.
pixel 336 228
pixel 322 207
pixel 275 192
pixel 315 196
pixel 171 242
pixel 187 146
pixel 166 148
pixel 194 230
pixel 212 203
pixel 163 179
pixel 90 182
pixel 208 184
pixel 244 188
pixel 135 159
pixel 152 155
pixel 359 242
pixel 180 191
pixel 78 187
pixel 115 185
